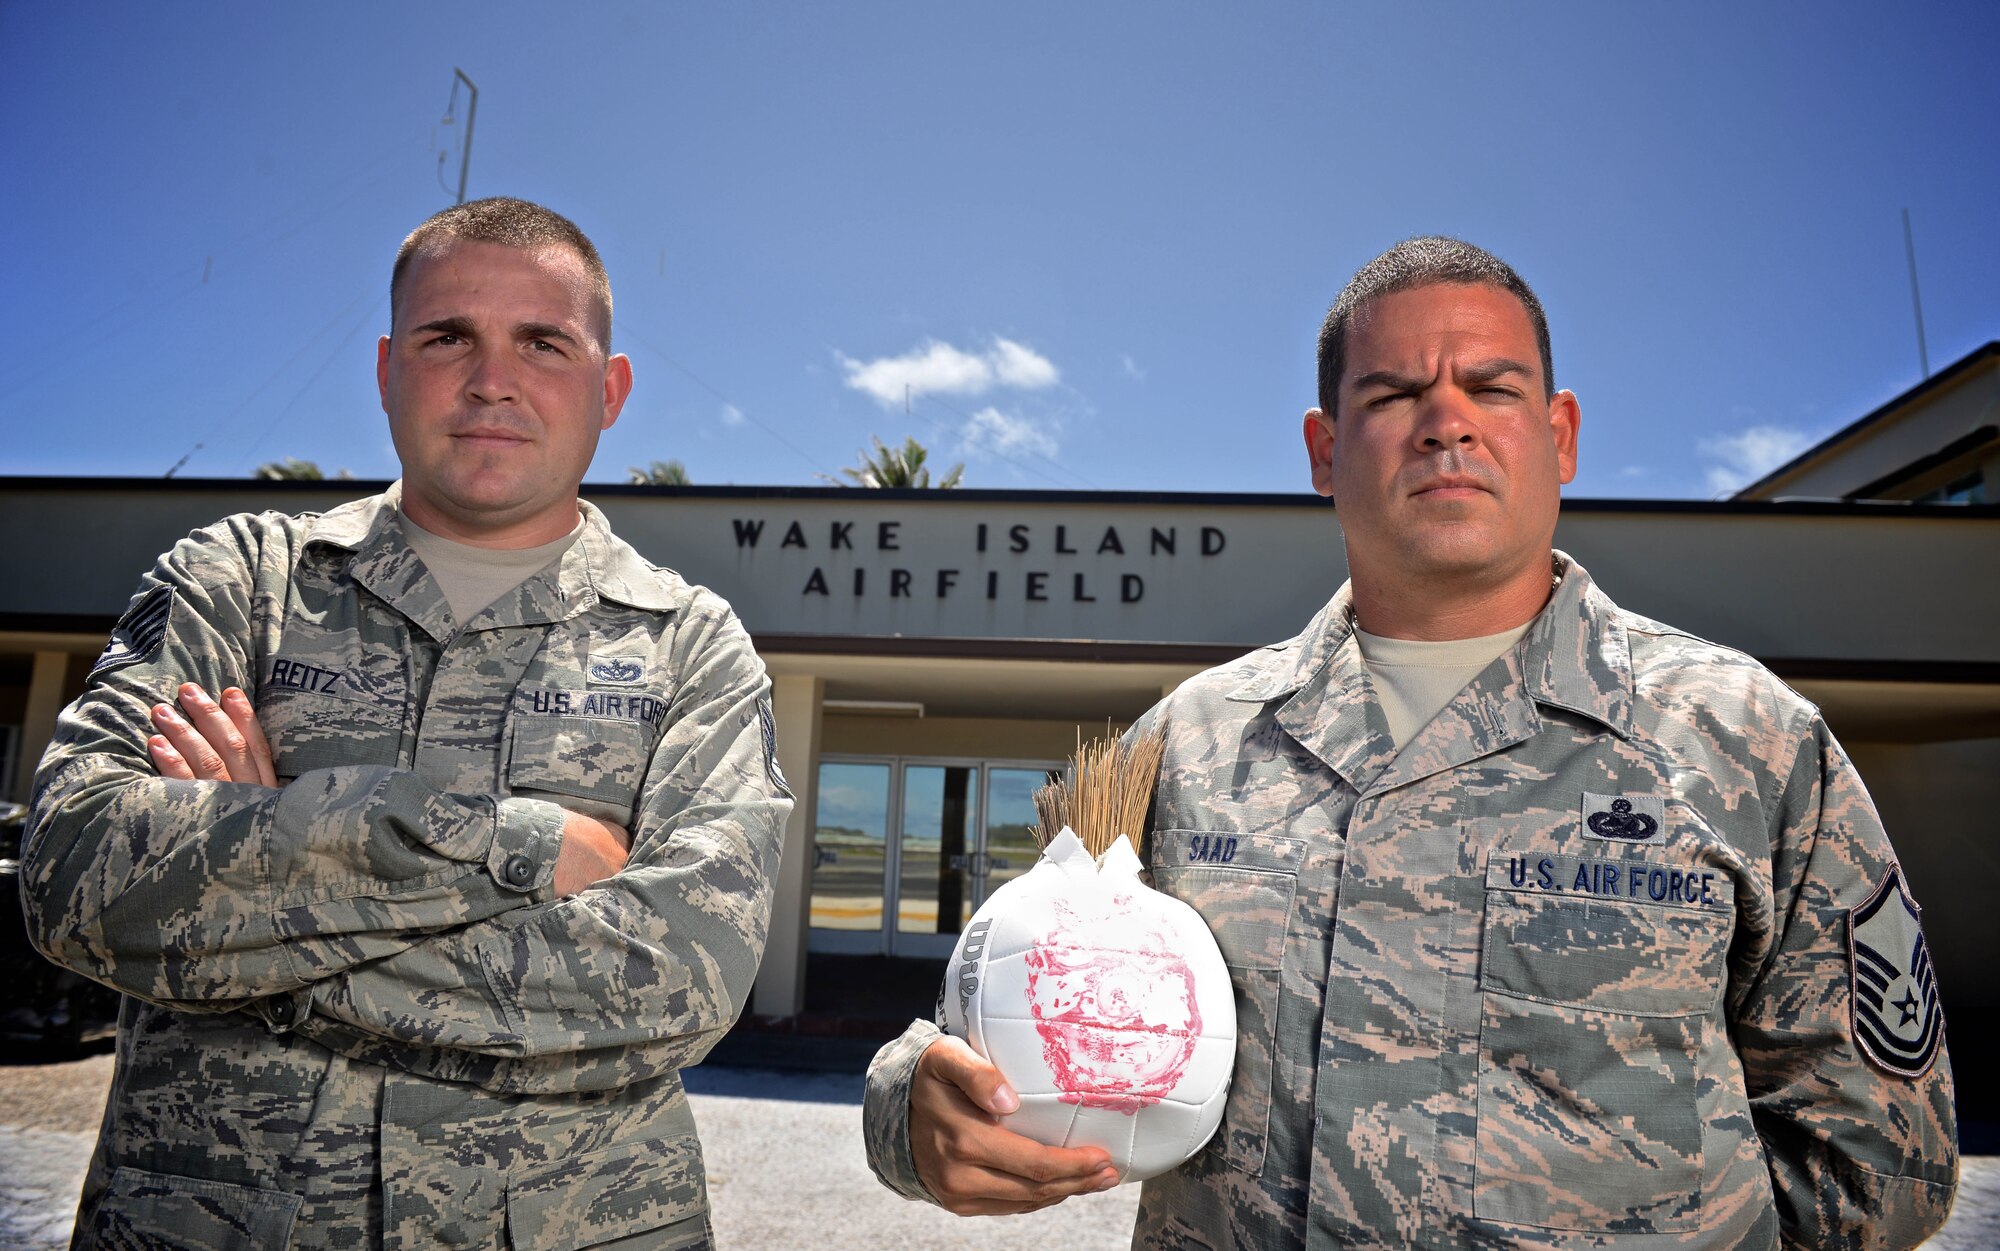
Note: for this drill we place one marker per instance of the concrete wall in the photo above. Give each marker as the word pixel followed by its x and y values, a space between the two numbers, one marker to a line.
pixel 979 738
pixel 1854 586
pixel 1876 584
pixel 1941 805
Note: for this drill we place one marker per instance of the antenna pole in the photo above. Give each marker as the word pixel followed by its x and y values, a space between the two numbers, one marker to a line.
pixel 472 112
pixel 182 461
pixel 1916 299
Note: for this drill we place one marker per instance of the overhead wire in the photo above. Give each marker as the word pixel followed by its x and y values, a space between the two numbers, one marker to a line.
pixel 240 247
pixel 624 331
pixel 695 378
pixel 364 179
pixel 916 396
pixel 221 427
pixel 249 453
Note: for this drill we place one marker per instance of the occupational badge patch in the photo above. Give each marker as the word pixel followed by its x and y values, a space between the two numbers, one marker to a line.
pixel 1897 1020
pixel 617 671
pixel 139 633
pixel 1624 818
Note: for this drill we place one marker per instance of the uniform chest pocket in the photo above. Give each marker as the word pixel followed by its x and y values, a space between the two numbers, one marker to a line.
pixel 597 761
pixel 1244 886
pixel 1597 1036
pixel 311 729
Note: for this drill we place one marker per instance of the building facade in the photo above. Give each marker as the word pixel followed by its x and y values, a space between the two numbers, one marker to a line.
pixel 1938 442
pixel 935 653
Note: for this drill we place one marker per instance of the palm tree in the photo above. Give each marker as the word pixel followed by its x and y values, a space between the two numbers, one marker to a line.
pixel 662 473
pixel 290 469
pixel 896 467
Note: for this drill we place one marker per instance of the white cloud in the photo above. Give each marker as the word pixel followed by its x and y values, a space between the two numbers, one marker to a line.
pixel 732 415
pixel 1749 454
pixel 1132 369
pixel 995 431
pixel 1023 367
pixel 936 368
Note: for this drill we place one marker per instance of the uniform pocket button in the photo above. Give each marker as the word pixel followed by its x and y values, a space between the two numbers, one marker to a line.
pixel 519 870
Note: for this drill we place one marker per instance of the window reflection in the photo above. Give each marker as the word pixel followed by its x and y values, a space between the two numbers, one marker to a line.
pixel 849 846
pixel 926 841
pixel 932 895
pixel 1011 849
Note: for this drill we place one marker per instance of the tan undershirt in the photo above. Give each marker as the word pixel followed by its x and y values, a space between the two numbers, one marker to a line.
pixel 1415 679
pixel 473 577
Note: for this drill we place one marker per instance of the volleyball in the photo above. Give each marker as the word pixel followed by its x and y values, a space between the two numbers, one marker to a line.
pixel 1104 1003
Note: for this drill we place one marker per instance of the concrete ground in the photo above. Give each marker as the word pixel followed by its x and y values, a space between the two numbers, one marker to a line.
pixel 785 1169
pixel 784 1159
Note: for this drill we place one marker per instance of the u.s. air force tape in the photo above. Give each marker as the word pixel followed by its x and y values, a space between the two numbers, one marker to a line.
pixel 1897 1021
pixel 139 633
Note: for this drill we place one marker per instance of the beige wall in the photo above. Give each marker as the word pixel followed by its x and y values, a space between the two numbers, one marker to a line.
pixel 1850 583
pixel 781 979
pixel 978 737
pixel 1867 585
pixel 47 680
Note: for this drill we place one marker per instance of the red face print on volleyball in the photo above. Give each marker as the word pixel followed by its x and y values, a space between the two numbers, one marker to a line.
pixel 1114 1004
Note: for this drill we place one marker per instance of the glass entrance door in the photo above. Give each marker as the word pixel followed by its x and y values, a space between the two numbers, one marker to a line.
pixel 1010 848
pixel 938 846
pixel 851 854
pixel 906 850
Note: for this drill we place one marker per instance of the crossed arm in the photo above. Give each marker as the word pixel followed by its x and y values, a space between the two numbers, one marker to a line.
pixel 210 740
pixel 600 987
pixel 484 938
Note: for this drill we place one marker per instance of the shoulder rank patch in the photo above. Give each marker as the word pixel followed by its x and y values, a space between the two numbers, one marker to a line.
pixel 1897 1020
pixel 768 723
pixel 139 633
pixel 1625 818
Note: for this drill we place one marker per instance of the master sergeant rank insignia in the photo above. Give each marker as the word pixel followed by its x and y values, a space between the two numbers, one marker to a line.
pixel 139 633
pixel 1897 1020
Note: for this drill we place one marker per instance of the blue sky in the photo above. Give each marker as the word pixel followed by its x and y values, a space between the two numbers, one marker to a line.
pixel 1095 240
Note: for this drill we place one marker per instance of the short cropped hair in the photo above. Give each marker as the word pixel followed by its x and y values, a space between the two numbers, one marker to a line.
pixel 514 223
pixel 1414 263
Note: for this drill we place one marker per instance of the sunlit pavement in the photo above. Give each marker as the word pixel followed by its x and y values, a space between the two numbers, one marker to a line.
pixel 785 1169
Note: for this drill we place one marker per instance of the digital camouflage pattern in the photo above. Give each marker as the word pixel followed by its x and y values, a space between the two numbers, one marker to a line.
pixel 1467 1018
pixel 360 1017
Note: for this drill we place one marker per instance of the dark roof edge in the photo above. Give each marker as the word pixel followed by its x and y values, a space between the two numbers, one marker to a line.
pixel 1944 376
pixel 597 490
pixel 1111 651
pixel 972 496
pixel 1791 668
pixel 947 648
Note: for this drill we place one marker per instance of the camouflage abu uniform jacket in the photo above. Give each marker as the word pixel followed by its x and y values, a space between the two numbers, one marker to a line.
pixel 1571 970
pixel 359 1015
